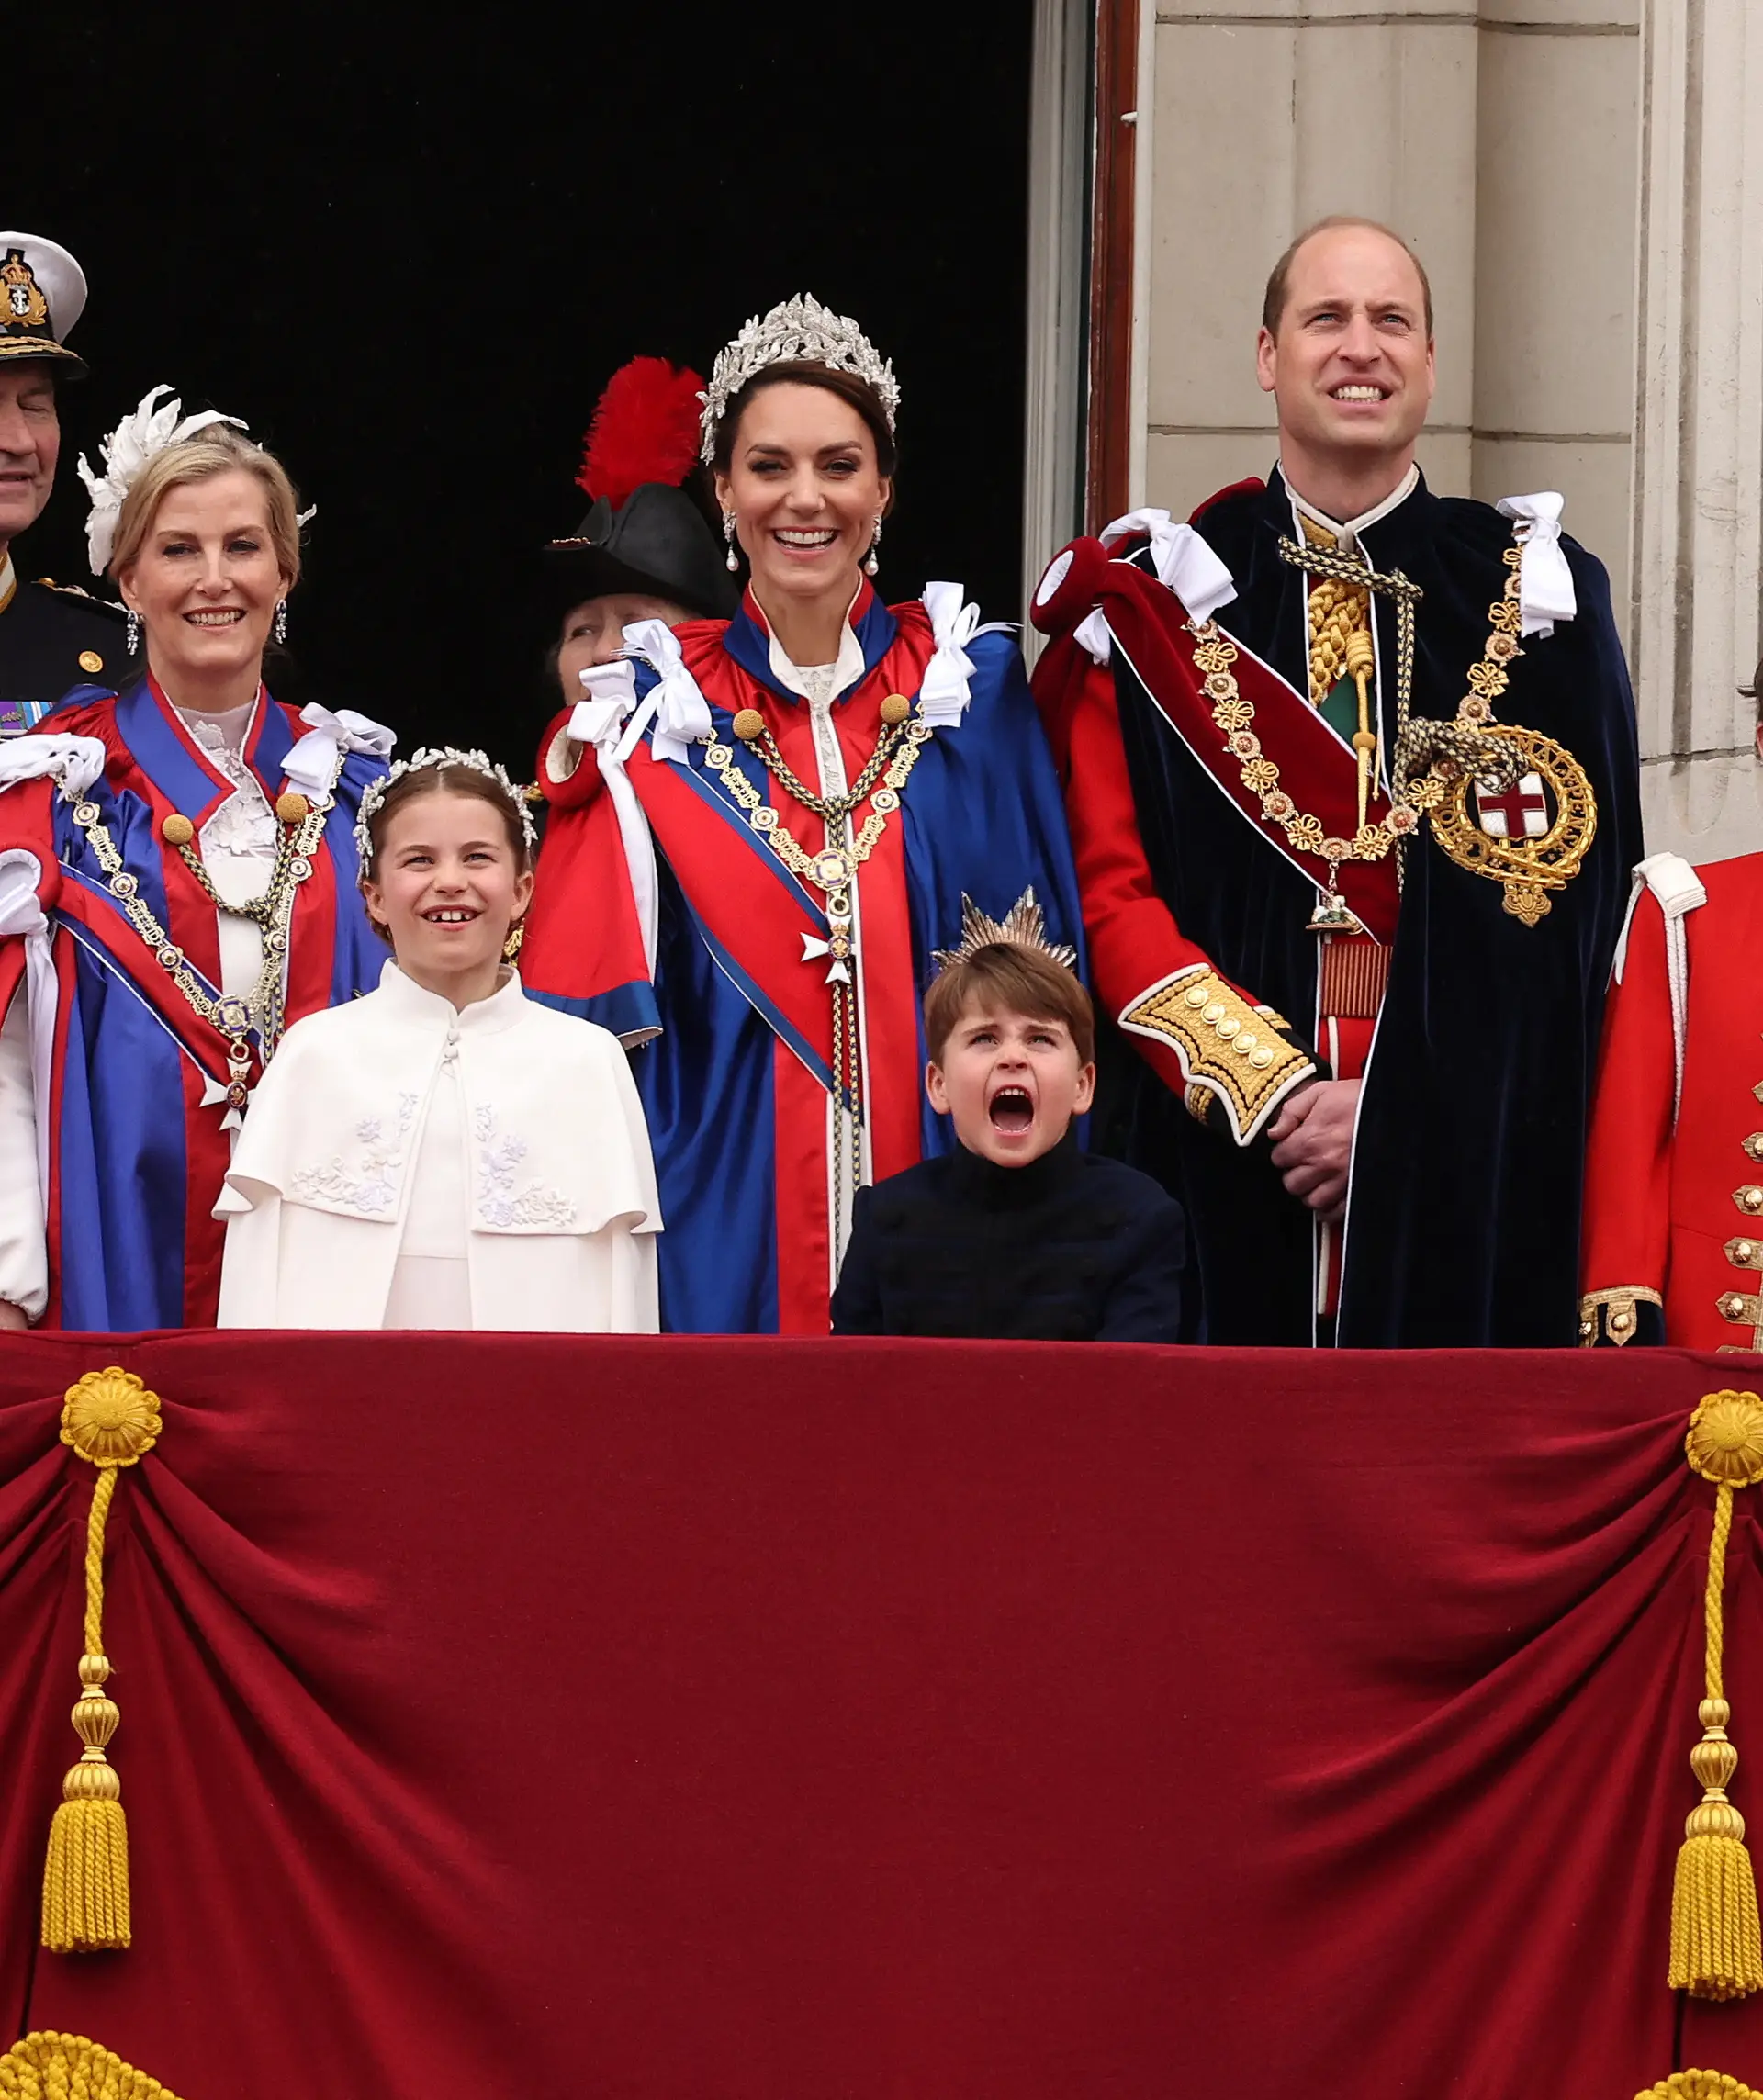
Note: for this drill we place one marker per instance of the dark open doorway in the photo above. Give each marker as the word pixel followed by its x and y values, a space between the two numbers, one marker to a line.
pixel 410 257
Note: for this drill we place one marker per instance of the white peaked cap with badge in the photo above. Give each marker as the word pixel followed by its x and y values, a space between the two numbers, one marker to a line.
pixel 42 293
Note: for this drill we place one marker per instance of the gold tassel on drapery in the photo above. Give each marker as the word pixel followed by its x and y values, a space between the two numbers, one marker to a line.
pixel 1716 1943
pixel 110 1420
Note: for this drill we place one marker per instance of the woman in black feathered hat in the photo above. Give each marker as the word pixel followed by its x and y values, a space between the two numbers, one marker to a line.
pixel 645 550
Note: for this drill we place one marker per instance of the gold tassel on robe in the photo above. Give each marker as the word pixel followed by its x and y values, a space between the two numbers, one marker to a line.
pixel 110 1420
pixel 1716 1944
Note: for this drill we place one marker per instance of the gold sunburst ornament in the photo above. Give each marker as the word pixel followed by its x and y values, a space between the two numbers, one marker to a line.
pixel 1699 2086
pixel 111 1418
pixel 1023 926
pixel 1724 1440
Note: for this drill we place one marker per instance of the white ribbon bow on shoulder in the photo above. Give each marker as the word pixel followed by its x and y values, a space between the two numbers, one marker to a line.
pixel 945 694
pixel 679 712
pixel 1183 561
pixel 1545 591
pixel 22 918
pixel 317 758
pixel 76 761
pixel 1185 565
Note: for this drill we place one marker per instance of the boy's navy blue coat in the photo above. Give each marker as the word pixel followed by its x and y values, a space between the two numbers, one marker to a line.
pixel 1069 1248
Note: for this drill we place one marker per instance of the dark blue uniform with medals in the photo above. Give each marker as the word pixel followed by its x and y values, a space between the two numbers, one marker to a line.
pixel 51 638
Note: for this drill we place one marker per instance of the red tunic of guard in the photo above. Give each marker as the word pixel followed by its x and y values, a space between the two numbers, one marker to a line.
pixel 1674 1184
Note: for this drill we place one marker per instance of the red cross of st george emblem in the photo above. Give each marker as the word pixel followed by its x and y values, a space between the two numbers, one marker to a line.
pixel 1521 810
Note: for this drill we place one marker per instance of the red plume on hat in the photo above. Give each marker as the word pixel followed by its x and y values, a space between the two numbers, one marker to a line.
pixel 646 429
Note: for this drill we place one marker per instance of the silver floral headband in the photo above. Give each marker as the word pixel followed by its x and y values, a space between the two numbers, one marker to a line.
pixel 425 760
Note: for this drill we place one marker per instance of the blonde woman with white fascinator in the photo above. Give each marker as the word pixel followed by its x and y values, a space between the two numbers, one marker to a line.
pixel 177 886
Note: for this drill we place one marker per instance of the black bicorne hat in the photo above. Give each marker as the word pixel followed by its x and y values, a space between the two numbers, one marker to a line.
pixel 645 534
pixel 657 541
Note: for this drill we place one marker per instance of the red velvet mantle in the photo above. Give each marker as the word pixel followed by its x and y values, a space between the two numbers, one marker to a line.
pixel 780 1721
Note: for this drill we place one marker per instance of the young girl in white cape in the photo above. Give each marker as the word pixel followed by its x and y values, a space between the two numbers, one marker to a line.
pixel 445 1153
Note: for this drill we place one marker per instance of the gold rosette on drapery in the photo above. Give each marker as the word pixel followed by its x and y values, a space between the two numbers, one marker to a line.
pixel 48 2066
pixel 1700 2085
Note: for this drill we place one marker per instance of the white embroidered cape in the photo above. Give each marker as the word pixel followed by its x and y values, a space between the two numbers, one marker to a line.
pixel 561 1206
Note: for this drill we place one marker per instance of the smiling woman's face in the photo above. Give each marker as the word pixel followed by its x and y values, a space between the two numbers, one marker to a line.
pixel 805 490
pixel 206 581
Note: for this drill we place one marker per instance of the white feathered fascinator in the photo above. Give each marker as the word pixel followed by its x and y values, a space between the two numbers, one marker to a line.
pixel 124 452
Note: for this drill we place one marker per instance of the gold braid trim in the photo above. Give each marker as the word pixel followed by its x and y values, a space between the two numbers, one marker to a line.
pixel 1716 1941
pixel 1338 611
pixel 1608 1316
pixel 1231 1052
pixel 1699 2086
pixel 111 1421
pixel 49 2066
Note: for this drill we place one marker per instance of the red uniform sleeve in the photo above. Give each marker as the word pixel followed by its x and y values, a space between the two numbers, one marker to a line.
pixel 1184 1015
pixel 567 772
pixel 1626 1232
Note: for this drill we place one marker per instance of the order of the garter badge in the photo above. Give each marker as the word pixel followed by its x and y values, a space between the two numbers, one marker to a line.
pixel 1531 836
pixel 1529 826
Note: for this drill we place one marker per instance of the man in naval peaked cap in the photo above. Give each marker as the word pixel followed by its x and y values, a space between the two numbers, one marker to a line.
pixel 50 638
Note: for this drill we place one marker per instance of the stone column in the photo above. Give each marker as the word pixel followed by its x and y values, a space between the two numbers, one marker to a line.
pixel 1557 145
pixel 1499 137
pixel 1698 480
pixel 1268 114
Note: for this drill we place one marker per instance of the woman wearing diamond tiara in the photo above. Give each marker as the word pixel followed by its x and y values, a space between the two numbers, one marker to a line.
pixel 177 883
pixel 445 1153
pixel 757 847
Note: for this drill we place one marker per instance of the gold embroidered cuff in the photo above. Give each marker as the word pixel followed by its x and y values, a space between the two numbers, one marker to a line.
pixel 1609 1316
pixel 1238 1062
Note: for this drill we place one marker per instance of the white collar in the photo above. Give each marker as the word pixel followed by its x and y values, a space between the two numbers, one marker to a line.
pixel 410 1001
pixel 8 579
pixel 1346 535
pixel 847 670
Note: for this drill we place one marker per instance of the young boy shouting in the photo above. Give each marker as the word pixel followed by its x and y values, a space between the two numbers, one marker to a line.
pixel 1016 1235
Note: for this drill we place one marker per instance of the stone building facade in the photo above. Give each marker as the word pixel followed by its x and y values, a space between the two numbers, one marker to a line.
pixel 1584 179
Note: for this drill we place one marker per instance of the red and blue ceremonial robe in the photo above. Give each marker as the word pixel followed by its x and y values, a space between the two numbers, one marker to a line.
pixel 730 987
pixel 136 1144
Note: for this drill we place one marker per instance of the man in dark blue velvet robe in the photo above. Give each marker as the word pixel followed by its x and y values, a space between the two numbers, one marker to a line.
pixel 1352 773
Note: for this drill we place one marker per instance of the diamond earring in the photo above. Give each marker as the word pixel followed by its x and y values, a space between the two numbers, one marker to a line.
pixel 872 565
pixel 732 561
pixel 131 628
pixel 281 621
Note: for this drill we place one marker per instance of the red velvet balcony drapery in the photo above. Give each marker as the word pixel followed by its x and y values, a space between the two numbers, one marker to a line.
pixel 766 1720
